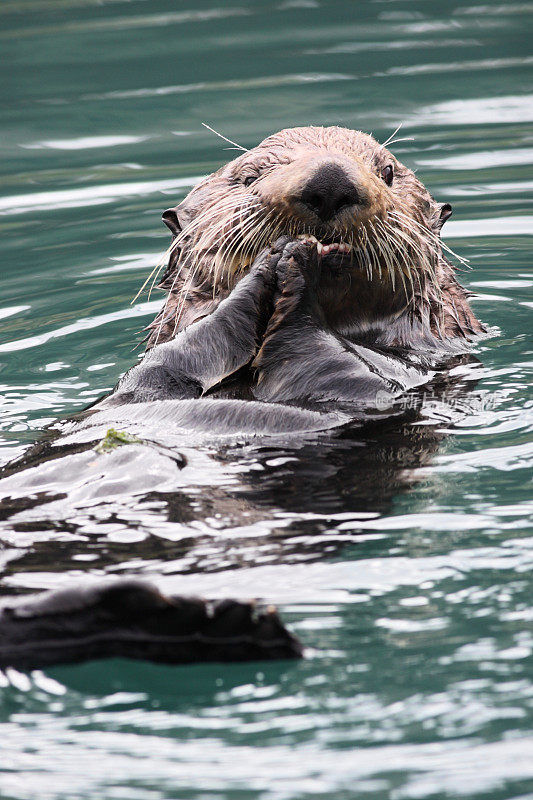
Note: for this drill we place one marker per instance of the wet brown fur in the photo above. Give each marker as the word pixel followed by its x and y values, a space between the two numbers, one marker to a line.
pixel 418 301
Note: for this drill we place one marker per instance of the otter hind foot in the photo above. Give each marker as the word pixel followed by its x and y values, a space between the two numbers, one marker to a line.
pixel 132 619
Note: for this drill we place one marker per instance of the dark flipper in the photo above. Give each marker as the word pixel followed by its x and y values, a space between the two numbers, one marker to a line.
pixel 132 619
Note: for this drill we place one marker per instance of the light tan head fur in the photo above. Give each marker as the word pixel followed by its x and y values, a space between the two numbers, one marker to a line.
pixel 390 226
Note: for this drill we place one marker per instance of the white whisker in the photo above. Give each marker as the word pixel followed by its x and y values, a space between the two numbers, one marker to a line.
pixel 386 142
pixel 237 146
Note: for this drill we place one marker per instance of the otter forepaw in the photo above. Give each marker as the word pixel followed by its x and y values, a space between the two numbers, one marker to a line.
pixel 299 267
pixel 267 261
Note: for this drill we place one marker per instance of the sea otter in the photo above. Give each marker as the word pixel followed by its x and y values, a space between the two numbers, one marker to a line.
pixel 304 279
pixel 309 269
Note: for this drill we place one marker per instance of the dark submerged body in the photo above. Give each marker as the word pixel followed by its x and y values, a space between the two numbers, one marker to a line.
pixel 181 385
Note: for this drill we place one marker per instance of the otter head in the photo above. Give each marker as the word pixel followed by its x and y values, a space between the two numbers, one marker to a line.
pixel 375 226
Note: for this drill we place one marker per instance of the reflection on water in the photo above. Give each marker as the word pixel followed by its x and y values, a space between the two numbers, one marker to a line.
pixel 401 554
pixel 196 509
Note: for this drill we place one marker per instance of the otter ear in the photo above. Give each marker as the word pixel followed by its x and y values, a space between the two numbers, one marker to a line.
pixel 170 218
pixel 445 212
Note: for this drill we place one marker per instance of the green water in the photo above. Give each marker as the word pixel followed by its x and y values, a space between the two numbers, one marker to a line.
pixel 402 560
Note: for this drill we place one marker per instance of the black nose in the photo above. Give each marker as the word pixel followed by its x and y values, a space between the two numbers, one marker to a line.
pixel 328 191
pixel 170 218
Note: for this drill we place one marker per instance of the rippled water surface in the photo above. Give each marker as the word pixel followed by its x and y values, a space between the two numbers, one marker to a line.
pixel 402 556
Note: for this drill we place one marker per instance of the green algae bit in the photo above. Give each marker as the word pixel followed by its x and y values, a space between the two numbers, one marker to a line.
pixel 114 438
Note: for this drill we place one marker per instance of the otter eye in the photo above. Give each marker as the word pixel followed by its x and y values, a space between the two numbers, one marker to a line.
pixel 249 180
pixel 387 173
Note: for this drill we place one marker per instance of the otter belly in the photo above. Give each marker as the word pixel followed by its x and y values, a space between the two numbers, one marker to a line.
pixel 210 417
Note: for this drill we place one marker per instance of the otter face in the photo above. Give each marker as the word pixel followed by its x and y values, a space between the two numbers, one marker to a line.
pixel 374 224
